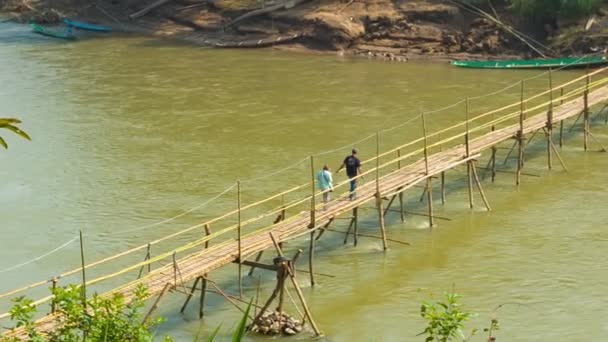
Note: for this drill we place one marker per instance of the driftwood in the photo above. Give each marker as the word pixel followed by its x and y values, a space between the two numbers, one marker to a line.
pixel 261 11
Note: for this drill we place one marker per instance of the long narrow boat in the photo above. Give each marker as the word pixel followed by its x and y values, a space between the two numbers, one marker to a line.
pixel 50 33
pixel 86 26
pixel 570 62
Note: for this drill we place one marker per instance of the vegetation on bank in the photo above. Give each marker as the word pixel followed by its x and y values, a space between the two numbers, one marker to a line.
pixel 536 9
pixel 11 125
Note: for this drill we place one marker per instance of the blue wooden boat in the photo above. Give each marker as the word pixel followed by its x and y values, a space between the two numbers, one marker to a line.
pixel 51 33
pixel 86 26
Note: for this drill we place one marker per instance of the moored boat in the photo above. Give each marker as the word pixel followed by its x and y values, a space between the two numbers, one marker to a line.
pixel 86 26
pixel 569 62
pixel 51 33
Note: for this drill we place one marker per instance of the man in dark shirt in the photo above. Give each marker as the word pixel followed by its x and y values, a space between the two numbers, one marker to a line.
pixel 353 169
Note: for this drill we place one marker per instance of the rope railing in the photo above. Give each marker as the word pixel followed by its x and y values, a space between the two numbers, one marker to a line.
pixel 315 193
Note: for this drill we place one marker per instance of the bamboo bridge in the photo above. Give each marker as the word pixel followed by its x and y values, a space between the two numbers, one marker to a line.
pixel 423 160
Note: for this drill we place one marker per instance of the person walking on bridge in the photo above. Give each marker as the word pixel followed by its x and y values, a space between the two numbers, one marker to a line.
pixel 353 169
pixel 326 184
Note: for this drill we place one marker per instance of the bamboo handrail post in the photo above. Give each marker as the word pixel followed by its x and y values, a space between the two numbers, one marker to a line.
pixel 207 228
pixel 399 159
pixel 429 189
pixel 561 122
pixel 585 119
pixel 468 153
pixel 146 258
pixel 443 199
pixel 240 265
pixel 549 132
pixel 84 277
pixel 53 288
pixel 520 135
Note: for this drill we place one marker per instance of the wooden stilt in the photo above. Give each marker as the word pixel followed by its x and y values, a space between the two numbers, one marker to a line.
pixel 356 226
pixel 520 136
pixel 379 204
pixel 470 184
pixel 53 288
pixel 83 290
pixel 298 290
pixel 586 115
pixel 561 122
pixel 350 226
pixel 549 124
pixel 390 203
pixel 257 259
pixel 580 115
pixel 401 213
pixel 201 308
pixel 311 255
pixel 146 258
pixel 312 196
pixel 240 257
pixel 155 304
pixel 207 233
pixel 322 230
pixel 561 161
pixel 602 148
pixel 443 188
pixel 429 193
pixel 190 294
pixel 509 153
pixel 479 188
pixel 494 150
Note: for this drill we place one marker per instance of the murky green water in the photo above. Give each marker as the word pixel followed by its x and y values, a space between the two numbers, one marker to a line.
pixel 130 131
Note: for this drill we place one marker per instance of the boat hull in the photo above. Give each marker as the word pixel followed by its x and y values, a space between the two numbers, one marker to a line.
pixel 50 33
pixel 573 62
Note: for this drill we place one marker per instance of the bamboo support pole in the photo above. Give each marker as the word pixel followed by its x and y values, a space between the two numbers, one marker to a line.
pixel 146 258
pixel 401 213
pixel 257 259
pixel 350 226
pixel 201 308
pixel 468 153
pixel 520 135
pixel 586 113
pixel 207 228
pixel 480 188
pixel 429 193
pixel 312 197
pixel 379 202
pixel 443 188
pixel 371 236
pixel 561 122
pixel 602 148
pixel 53 288
pixel 240 260
pixel 559 158
pixel 223 294
pixel 156 302
pixel 311 256
pixel 298 290
pixel 190 294
pixel 549 130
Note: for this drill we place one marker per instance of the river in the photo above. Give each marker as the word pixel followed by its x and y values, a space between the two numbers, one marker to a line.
pixel 129 131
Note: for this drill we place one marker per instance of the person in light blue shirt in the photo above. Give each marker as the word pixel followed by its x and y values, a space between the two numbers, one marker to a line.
pixel 325 183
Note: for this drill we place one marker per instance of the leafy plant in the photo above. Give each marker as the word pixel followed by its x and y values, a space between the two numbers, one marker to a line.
pixel 11 125
pixel 555 8
pixel 445 319
pixel 98 319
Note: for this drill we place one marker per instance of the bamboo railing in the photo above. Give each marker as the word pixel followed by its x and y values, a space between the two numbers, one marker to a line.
pixel 451 136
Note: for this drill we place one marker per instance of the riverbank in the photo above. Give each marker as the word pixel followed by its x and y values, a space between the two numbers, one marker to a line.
pixel 381 29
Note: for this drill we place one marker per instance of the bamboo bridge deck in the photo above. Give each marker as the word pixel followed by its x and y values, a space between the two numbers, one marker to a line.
pixel 423 168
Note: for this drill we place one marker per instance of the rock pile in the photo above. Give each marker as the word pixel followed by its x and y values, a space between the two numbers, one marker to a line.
pixel 276 323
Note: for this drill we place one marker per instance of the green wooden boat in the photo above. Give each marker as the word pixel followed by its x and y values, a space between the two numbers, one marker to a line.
pixel 50 33
pixel 570 62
